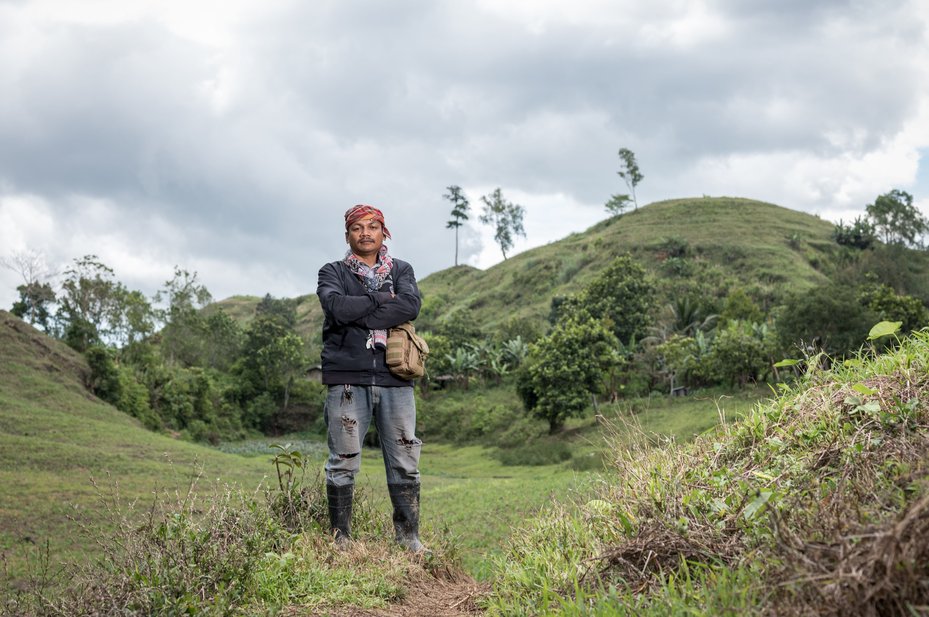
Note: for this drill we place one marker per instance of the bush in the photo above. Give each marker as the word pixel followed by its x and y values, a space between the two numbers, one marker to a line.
pixel 462 417
pixel 104 374
pixel 830 318
pixel 133 400
pixel 737 356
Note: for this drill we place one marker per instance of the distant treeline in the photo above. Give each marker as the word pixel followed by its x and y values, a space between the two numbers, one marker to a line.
pixel 174 365
pixel 178 363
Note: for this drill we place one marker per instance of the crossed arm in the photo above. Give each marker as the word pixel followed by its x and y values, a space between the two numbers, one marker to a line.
pixel 373 310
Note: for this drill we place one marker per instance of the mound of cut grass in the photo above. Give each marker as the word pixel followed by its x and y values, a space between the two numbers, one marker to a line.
pixel 814 503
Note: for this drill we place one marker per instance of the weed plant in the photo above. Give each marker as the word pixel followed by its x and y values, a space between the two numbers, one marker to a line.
pixel 814 503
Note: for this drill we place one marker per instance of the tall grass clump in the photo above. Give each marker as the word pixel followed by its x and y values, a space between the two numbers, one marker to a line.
pixel 222 551
pixel 815 503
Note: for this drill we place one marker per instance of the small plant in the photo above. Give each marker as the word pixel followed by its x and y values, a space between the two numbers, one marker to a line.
pixel 295 505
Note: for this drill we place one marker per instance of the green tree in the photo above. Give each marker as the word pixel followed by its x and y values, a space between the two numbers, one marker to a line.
pixel 739 354
pixel 88 303
pixel 133 317
pixel 104 379
pixel 623 295
pixel 629 172
pixel 36 295
pixel 182 334
pixel 563 371
pixel 685 315
pixel 272 359
pixel 460 207
pixel 506 218
pixel 283 310
pixel 896 219
pixel 890 306
pixel 617 204
pixel 282 361
pixel 223 341
pixel 35 300
pixel 679 359
pixel 830 318
pixel 739 305
pixel 462 364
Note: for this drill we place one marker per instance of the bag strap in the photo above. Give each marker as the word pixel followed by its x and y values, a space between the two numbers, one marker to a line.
pixel 410 330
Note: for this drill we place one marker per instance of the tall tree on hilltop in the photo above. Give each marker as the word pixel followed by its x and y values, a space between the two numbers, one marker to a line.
pixel 629 172
pixel 35 294
pixel 896 219
pixel 506 217
pixel 88 304
pixel 460 207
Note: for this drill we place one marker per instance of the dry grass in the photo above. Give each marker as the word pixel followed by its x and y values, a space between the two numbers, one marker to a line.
pixel 821 491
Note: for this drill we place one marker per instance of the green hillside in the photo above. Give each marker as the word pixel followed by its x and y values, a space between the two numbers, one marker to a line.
pixel 55 436
pixel 761 245
pixel 756 243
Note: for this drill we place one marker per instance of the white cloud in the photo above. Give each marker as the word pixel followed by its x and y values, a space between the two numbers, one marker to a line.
pixel 228 138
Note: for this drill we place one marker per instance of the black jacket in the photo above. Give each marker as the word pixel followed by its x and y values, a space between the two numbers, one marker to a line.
pixel 351 311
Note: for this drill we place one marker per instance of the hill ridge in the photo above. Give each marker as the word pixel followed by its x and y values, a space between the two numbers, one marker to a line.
pixel 760 243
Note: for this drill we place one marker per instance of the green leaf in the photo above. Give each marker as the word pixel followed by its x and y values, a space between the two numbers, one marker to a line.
pixel 863 389
pixel 884 328
pixel 786 362
pixel 756 504
pixel 626 522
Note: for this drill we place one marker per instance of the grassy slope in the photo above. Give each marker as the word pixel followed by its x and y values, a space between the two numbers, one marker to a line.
pixel 748 239
pixel 55 436
pixel 815 503
pixel 756 242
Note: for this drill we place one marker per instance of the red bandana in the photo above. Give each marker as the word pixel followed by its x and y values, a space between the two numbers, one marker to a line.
pixel 361 211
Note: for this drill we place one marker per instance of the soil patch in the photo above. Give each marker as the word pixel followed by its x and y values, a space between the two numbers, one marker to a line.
pixel 428 596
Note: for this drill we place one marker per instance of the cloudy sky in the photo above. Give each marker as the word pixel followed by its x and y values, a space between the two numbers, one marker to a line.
pixel 228 137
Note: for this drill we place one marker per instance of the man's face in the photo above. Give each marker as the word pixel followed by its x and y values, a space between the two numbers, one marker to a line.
pixel 365 237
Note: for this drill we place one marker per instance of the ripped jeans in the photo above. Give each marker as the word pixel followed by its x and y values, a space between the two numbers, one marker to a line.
pixel 349 410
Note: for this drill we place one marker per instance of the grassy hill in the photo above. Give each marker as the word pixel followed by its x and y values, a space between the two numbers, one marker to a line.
pixel 815 503
pixel 756 243
pixel 760 245
pixel 55 437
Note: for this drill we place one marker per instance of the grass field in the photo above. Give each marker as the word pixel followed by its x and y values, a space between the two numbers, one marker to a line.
pixel 57 440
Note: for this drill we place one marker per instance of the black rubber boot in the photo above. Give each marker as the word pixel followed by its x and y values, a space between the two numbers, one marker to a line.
pixel 340 512
pixel 405 499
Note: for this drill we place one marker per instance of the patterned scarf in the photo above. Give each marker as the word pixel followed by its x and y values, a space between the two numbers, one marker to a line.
pixel 373 278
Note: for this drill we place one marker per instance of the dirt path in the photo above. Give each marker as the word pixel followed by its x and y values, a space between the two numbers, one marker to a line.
pixel 427 596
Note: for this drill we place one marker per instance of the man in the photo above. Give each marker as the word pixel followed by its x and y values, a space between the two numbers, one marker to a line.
pixel 363 295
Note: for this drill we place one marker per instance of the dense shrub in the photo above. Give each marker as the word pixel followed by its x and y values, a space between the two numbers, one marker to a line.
pixel 133 400
pixel 830 318
pixel 738 355
pixel 486 415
